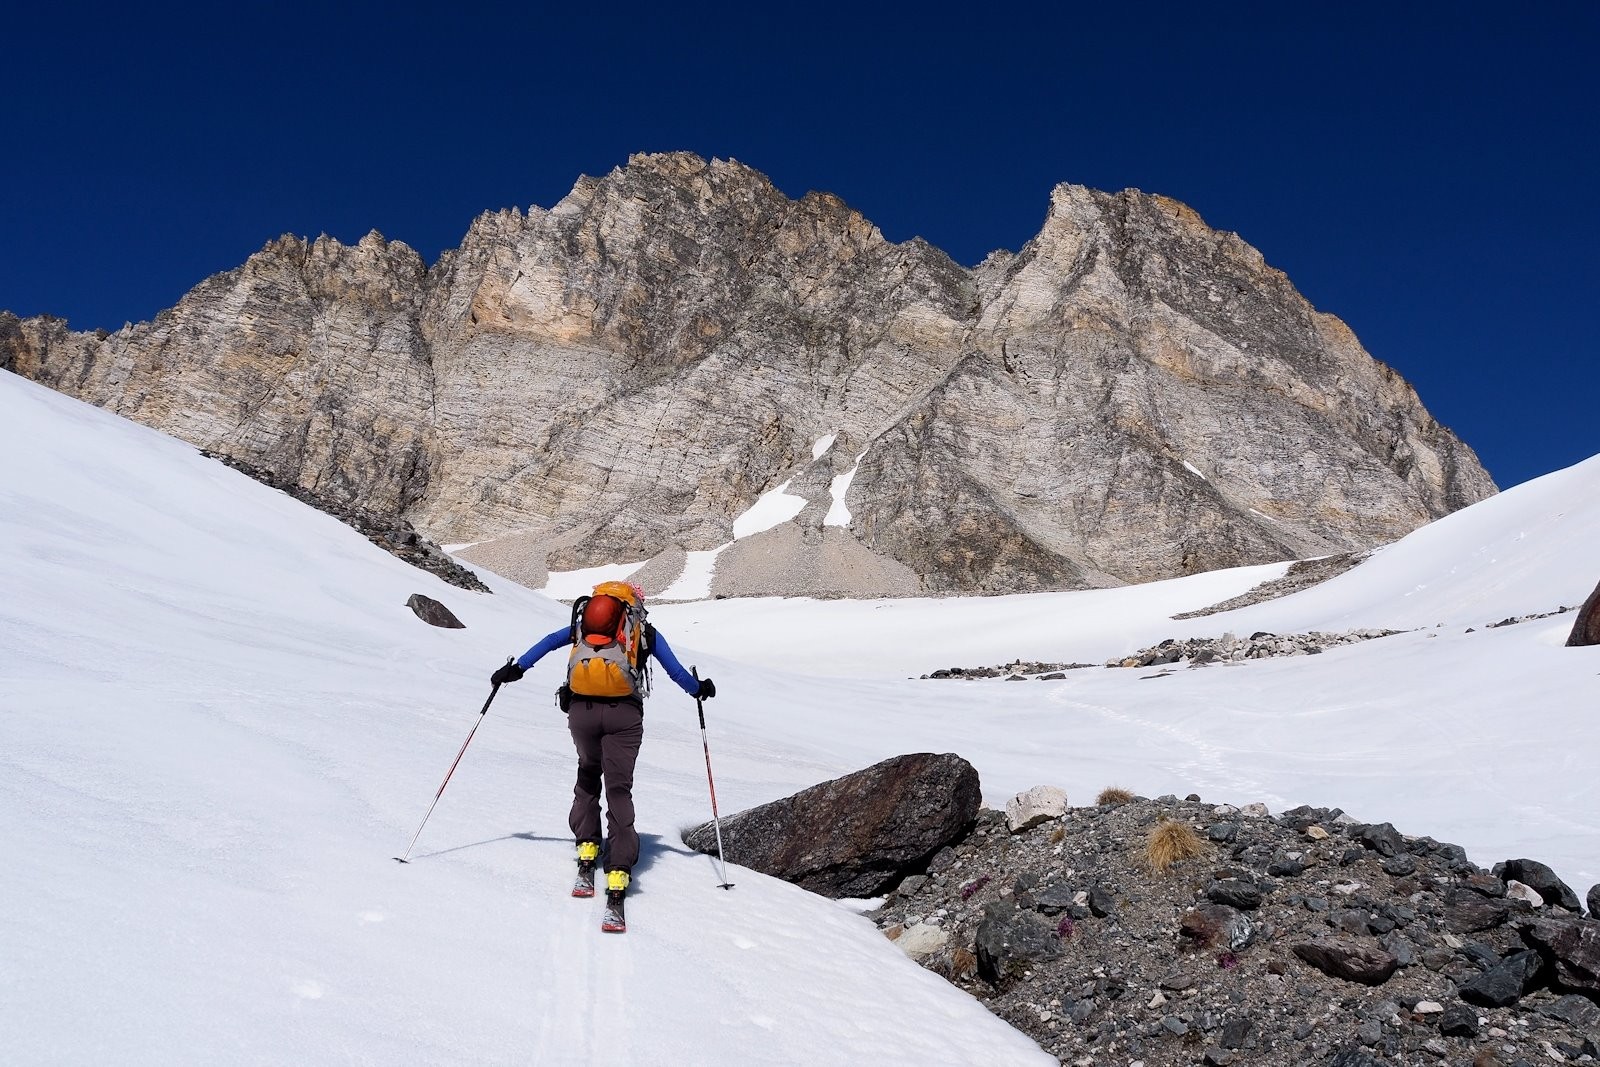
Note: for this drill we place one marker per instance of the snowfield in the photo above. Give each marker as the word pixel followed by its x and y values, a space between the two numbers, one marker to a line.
pixel 219 722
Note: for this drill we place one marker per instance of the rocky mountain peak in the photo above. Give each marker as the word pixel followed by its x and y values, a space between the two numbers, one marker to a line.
pixel 1132 395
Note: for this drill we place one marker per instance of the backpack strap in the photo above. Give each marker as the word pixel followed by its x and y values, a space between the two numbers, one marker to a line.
pixel 577 617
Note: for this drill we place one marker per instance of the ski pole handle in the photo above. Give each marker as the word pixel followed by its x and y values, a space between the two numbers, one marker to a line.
pixel 699 705
pixel 495 688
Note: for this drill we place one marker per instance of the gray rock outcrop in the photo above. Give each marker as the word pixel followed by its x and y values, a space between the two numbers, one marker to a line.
pixel 858 835
pixel 1132 396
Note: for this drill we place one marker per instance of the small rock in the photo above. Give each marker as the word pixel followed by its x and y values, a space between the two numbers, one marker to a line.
pixel 911 885
pixel 1505 982
pixel 1468 911
pixel 433 613
pixel 1490 885
pixel 1458 1020
pixel 1039 804
pixel 1350 921
pixel 1286 867
pixel 1235 1032
pixel 1316 833
pixel 1396 945
pixel 1101 903
pixel 1383 839
pixel 1400 866
pixel 1174 1026
pixel 921 941
pixel 1428 1007
pixel 1579 1012
pixel 1348 958
pixel 1235 893
pixel 1516 890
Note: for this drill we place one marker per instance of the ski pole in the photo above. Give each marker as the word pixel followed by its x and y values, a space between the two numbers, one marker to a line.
pixel 492 691
pixel 700 706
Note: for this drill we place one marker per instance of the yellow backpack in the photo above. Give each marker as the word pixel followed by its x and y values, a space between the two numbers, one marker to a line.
pixel 610 644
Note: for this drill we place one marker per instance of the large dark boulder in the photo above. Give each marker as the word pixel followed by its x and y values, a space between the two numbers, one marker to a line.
pixel 855 836
pixel 1586 630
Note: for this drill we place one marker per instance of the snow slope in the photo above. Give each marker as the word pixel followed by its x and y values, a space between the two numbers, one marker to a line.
pixel 218 722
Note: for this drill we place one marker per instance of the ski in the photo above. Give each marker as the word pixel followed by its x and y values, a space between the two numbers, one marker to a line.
pixel 583 886
pixel 614 922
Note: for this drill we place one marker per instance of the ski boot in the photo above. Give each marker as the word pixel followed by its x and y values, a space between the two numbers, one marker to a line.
pixel 588 852
pixel 614 921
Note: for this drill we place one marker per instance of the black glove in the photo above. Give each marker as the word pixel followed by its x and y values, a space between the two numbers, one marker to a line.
pixel 707 690
pixel 509 673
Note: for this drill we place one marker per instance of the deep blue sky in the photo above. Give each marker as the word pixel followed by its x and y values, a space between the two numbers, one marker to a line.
pixel 1432 176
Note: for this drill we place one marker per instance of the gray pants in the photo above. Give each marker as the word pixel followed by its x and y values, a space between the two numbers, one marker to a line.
pixel 607 737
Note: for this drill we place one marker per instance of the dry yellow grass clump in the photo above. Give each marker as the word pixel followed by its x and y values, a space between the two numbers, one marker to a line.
pixel 1113 795
pixel 1171 842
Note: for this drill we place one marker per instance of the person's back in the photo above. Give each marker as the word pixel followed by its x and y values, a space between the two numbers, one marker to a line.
pixel 608 677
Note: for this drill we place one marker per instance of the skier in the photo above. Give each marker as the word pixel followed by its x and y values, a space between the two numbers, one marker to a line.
pixel 607 680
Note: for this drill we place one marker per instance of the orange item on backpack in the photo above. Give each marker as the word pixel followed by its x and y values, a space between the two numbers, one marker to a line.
pixel 602 618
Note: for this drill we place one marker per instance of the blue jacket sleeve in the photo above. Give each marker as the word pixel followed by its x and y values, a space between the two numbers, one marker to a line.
pixel 663 654
pixel 547 645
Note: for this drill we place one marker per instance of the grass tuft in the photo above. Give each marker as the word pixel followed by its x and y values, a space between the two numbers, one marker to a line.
pixel 1113 795
pixel 1171 842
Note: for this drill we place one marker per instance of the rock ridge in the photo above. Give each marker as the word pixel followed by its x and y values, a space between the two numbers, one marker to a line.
pixel 1130 396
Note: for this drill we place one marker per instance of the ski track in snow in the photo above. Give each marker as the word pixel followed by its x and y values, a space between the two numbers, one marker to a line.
pixel 1206 765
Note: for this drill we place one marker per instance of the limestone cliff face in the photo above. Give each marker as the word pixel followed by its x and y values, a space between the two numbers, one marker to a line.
pixel 1132 396
pixel 308 361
